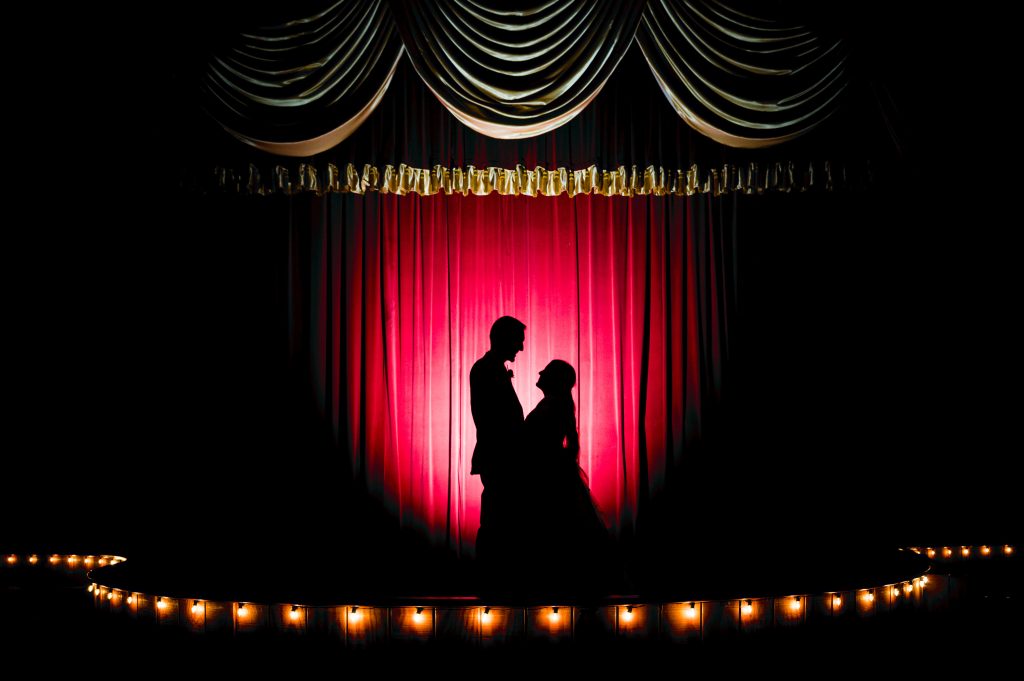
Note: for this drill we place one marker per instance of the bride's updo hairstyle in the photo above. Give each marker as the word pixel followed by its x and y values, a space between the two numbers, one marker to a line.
pixel 558 378
pixel 560 375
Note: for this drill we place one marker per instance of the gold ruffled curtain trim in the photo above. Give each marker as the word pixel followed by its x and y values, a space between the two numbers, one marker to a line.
pixel 752 178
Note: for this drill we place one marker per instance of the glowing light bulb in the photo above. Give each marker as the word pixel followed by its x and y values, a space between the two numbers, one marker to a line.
pixel 33 559
pixel 103 561
pixel 54 560
pixel 908 587
pixel 895 592
pixel 947 552
pixel 628 615
pixel 795 603
pixel 931 553
pixel 418 617
pixel 110 596
pixel 691 612
pixel 869 597
pixel 88 560
pixel 924 580
pixel 242 610
pixel 965 551
pixel 129 600
pixel 485 616
pixel 294 614
pixel 196 607
pixel 1007 549
pixel 837 601
pixel 748 607
pixel 72 560
pixel 161 604
pixel 92 587
pixel 355 616
pixel 985 550
pixel 554 615
pixel 11 560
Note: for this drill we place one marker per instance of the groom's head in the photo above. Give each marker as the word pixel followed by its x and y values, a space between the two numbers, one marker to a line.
pixel 507 336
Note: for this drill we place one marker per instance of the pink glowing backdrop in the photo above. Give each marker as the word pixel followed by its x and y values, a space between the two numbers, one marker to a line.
pixel 392 299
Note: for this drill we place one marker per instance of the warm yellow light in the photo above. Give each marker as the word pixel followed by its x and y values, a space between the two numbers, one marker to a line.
pixel 110 596
pixel 837 601
pixel 965 551
pixel 88 560
pixel 931 553
pixel 869 597
pixel 747 608
pixel 895 592
pixel 72 560
pixel 628 615
pixel 355 616
pixel 418 617
pixel 691 612
pixel 908 587
pixel 161 603
pixel 11 560
pixel 54 560
pixel 1007 549
pixel 242 610
pixel 554 615
pixel 129 600
pixel 196 607
pixel 985 550
pixel 294 614
pixel 33 559
pixel 924 580
pixel 91 588
pixel 795 603
pixel 947 552
pixel 485 616
pixel 103 561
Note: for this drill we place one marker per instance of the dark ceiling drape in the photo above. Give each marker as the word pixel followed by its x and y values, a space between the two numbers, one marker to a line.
pixel 391 301
pixel 304 85
pixel 516 73
pixel 300 86
pixel 742 80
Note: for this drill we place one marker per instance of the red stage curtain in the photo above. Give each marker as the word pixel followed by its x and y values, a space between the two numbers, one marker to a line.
pixel 392 298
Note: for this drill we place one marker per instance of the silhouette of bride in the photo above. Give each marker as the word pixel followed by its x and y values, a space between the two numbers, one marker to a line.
pixel 568 525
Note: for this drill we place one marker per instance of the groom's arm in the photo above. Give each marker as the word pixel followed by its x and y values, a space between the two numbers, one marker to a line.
pixel 480 403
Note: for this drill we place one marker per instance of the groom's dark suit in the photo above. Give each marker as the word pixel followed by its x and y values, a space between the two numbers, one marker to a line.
pixel 498 416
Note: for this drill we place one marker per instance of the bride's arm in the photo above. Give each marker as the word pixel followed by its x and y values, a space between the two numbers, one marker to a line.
pixel 572 435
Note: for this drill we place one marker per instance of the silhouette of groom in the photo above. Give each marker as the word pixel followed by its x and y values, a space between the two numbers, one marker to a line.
pixel 498 416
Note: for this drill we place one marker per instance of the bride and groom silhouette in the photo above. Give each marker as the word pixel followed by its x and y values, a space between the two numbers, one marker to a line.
pixel 539 527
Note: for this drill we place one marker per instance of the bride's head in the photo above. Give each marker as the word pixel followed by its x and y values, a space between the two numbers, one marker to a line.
pixel 557 378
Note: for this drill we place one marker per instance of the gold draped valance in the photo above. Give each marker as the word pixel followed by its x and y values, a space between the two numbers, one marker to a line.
pixel 751 178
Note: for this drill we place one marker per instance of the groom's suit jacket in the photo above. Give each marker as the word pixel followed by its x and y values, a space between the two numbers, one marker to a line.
pixel 498 416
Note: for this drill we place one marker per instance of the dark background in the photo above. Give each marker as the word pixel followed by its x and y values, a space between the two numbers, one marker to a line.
pixel 148 401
